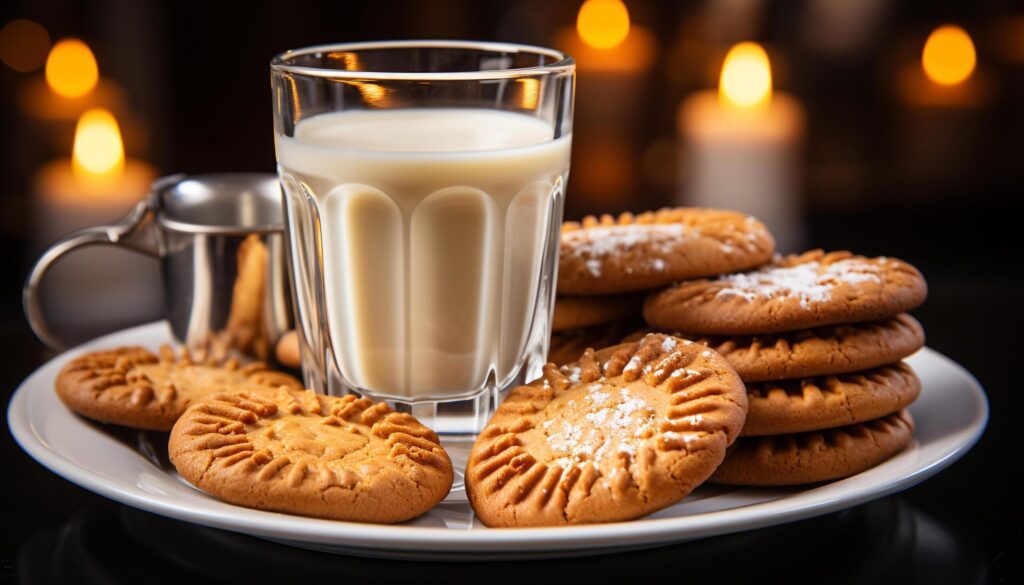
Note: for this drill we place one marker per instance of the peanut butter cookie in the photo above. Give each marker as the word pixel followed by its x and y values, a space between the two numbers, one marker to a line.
pixel 134 387
pixel 568 346
pixel 303 453
pixel 639 252
pixel 817 455
pixel 616 435
pixel 794 292
pixel 572 312
pixel 833 349
pixel 824 402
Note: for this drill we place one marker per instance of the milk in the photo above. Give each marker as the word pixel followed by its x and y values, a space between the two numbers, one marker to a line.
pixel 435 227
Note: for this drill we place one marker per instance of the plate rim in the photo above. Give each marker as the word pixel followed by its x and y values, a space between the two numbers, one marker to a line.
pixel 378 537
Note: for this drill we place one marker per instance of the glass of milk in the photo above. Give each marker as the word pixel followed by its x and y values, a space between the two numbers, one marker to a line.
pixel 423 184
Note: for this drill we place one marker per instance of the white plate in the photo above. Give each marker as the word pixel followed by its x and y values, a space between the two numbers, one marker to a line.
pixel 951 415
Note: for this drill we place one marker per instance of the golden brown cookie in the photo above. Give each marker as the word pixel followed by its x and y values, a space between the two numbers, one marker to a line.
pixel 137 388
pixel 640 252
pixel 794 292
pixel 568 346
pixel 303 453
pixel 832 349
pixel 572 312
pixel 824 402
pixel 616 435
pixel 816 455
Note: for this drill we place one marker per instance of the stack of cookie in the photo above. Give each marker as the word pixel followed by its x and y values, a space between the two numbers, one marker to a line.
pixel 607 263
pixel 817 338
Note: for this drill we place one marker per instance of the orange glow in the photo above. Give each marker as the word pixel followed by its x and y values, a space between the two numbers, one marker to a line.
pixel 71 68
pixel 374 93
pixel 98 152
pixel 603 24
pixel 530 96
pixel 23 45
pixel 948 57
pixel 746 80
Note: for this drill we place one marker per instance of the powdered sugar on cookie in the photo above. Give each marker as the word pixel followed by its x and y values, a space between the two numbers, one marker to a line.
pixel 610 423
pixel 598 242
pixel 809 282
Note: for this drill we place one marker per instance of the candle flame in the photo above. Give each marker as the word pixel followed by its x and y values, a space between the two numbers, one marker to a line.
pixel 746 80
pixel 71 68
pixel 948 57
pixel 98 151
pixel 603 24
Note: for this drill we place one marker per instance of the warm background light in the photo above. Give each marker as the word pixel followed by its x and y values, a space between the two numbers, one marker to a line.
pixel 98 150
pixel 746 80
pixel 71 68
pixel 949 57
pixel 603 24
pixel 23 45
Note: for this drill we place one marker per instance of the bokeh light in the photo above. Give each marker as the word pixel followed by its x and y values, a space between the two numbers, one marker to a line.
pixel 71 68
pixel 23 45
pixel 603 24
pixel 949 57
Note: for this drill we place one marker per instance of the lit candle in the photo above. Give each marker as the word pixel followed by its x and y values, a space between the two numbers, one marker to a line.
pixel 613 58
pixel 941 122
pixel 98 185
pixel 741 146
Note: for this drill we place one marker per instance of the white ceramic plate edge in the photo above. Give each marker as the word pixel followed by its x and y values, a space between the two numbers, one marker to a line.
pixel 828 498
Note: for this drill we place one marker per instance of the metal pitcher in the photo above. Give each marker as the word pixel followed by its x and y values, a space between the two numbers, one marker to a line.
pixel 220 242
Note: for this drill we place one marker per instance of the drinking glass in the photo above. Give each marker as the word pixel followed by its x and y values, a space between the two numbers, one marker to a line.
pixel 423 184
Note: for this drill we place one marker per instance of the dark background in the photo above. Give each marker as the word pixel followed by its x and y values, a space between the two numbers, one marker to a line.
pixel 197 79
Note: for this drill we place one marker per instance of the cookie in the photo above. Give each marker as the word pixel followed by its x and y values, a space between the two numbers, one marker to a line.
pixel 572 312
pixel 137 388
pixel 833 349
pixel 634 253
pixel 815 456
pixel 824 402
pixel 616 435
pixel 298 452
pixel 793 292
pixel 568 346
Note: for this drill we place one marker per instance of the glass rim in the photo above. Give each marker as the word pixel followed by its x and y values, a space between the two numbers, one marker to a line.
pixel 563 62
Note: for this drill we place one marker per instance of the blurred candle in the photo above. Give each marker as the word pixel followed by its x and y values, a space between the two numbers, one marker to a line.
pixel 96 186
pixel 943 96
pixel 613 59
pixel 741 146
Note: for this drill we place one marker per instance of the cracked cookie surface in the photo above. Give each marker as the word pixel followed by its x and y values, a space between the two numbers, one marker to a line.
pixel 793 292
pixel 616 435
pixel 134 387
pixel 794 459
pixel 609 255
pixel 823 402
pixel 298 452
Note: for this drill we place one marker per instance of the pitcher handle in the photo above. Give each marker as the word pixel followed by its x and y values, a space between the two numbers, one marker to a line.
pixel 132 231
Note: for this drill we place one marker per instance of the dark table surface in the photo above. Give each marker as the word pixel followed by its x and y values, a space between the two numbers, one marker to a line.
pixel 963 526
